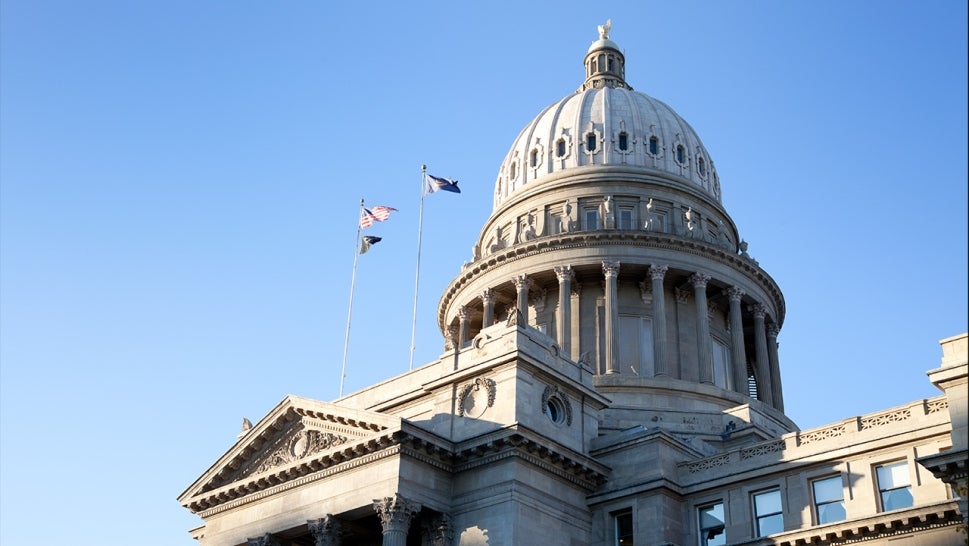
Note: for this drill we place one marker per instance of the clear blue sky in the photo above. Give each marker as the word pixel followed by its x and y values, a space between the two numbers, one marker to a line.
pixel 180 183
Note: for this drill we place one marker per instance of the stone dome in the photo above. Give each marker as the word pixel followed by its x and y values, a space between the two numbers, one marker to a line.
pixel 606 123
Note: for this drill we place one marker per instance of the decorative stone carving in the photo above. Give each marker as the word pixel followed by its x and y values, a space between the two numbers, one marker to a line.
pixel 438 531
pixel 553 393
pixel 699 280
pixel 682 296
pixel 395 513
pixel 538 299
pixel 657 271
pixel 610 269
pixel 266 540
pixel 646 292
pixel 470 401
pixel 607 212
pixel 735 294
pixel 303 444
pixel 326 530
pixel 569 222
pixel 743 252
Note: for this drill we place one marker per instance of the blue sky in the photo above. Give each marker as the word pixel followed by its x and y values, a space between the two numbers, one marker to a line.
pixel 179 184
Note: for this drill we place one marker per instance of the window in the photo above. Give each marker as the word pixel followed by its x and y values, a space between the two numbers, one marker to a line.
pixel 721 363
pixel 635 345
pixel 711 525
pixel 653 145
pixel 560 148
pixel 623 141
pixel 701 166
pixel 533 158
pixel 624 528
pixel 768 515
pixel 625 219
pixel 680 154
pixel 590 142
pixel 513 170
pixel 591 219
pixel 894 485
pixel 829 500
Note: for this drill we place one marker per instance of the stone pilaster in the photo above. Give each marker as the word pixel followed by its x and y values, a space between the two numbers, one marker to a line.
pixel 395 515
pixel 611 272
pixel 325 531
pixel 704 356
pixel 775 367
pixel 765 391
pixel 463 325
pixel 660 351
pixel 563 318
pixel 522 283
pixel 488 305
pixel 738 353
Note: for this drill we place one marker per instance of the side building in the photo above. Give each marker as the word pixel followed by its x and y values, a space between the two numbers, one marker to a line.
pixel 610 377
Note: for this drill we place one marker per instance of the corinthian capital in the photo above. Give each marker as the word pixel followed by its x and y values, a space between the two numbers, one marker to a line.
pixel 735 293
pixel 610 269
pixel 699 280
pixel 520 281
pixel 758 310
pixel 395 512
pixel 657 272
pixel 325 531
pixel 487 296
pixel 463 313
pixel 563 273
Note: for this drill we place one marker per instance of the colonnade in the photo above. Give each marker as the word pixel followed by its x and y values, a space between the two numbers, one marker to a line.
pixel 763 360
pixel 396 514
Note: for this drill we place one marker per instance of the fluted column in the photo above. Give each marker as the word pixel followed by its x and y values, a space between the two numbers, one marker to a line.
pixel 775 367
pixel 463 326
pixel 325 531
pixel 563 316
pixel 660 358
pixel 488 304
pixel 395 515
pixel 704 356
pixel 738 353
pixel 611 272
pixel 575 301
pixel 521 283
pixel 765 391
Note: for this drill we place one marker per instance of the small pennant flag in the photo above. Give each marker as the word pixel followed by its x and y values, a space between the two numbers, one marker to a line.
pixel 435 183
pixel 376 214
pixel 367 241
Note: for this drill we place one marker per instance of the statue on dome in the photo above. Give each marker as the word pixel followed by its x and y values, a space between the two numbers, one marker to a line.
pixel 650 224
pixel 608 215
pixel 568 220
pixel 743 252
pixel 604 30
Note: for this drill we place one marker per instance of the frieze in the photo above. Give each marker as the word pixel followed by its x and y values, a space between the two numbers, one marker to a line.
pixel 303 444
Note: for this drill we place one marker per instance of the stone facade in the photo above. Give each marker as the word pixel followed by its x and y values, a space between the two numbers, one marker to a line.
pixel 611 377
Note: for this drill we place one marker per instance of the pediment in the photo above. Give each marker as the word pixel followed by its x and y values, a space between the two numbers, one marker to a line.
pixel 297 430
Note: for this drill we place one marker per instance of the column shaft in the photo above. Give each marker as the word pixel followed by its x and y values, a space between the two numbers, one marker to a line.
pixel 660 358
pixel 738 353
pixel 765 391
pixel 488 305
pixel 463 326
pixel 521 287
pixel 611 272
pixel 704 356
pixel 563 319
pixel 775 367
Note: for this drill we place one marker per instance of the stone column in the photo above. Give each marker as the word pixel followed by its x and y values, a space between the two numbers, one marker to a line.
pixel 438 531
pixel 563 319
pixel 325 531
pixel 775 367
pixel 488 303
pixel 704 356
pixel 764 389
pixel 266 540
pixel 611 272
pixel 521 283
pixel 575 328
pixel 660 359
pixel 738 353
pixel 463 326
pixel 395 515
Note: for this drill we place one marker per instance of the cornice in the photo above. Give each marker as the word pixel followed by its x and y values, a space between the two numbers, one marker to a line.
pixel 605 239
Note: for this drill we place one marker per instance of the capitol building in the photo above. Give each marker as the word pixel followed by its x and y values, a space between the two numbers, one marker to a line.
pixel 610 376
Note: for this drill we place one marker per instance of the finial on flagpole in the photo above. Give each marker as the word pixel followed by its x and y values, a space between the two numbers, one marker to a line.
pixel 423 167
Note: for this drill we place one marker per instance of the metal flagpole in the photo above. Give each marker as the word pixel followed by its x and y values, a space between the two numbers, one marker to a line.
pixel 353 280
pixel 417 277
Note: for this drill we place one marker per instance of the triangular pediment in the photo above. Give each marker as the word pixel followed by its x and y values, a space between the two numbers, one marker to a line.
pixel 297 430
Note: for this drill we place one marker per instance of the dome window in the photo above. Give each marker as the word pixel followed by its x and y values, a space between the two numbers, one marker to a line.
pixel 680 154
pixel 590 142
pixel 513 170
pixel 533 158
pixel 624 141
pixel 653 145
pixel 701 166
pixel 560 148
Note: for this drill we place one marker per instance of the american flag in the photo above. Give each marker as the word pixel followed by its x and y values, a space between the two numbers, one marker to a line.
pixel 376 214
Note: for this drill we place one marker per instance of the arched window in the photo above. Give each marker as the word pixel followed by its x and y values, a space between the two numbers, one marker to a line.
pixel 680 154
pixel 701 166
pixel 560 148
pixel 513 170
pixel 590 142
pixel 653 145
pixel 623 141
pixel 533 158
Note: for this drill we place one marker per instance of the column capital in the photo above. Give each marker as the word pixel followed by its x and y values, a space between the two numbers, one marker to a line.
pixel 758 310
pixel 395 512
pixel 563 273
pixel 439 531
pixel 325 531
pixel 772 330
pixel 610 269
pixel 463 313
pixel 521 281
pixel 699 280
pixel 487 295
pixel 735 293
pixel 657 272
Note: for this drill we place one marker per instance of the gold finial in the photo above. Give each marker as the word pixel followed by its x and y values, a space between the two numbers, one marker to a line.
pixel 604 30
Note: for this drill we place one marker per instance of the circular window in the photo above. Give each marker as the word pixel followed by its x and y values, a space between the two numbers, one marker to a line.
pixel 555 410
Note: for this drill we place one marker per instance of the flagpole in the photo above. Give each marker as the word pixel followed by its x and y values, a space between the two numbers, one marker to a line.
pixel 417 276
pixel 353 280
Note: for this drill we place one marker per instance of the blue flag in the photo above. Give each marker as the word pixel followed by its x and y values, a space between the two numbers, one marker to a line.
pixel 367 241
pixel 435 183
